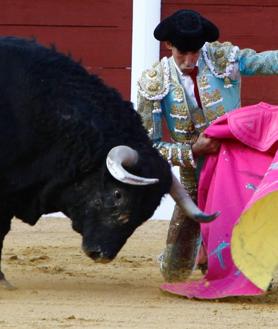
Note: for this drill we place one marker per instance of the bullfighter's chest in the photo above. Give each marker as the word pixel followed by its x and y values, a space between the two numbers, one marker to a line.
pixel 184 120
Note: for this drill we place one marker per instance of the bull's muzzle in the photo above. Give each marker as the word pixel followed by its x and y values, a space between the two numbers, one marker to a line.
pixel 97 255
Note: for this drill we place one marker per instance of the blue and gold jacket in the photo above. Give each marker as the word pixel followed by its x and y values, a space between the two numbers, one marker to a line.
pixel 162 96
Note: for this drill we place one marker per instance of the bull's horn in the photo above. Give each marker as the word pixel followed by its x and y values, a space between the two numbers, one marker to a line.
pixel 184 201
pixel 124 155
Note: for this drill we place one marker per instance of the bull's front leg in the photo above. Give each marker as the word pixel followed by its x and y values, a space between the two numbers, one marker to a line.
pixel 5 225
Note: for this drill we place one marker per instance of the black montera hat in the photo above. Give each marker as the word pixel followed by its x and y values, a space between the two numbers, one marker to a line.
pixel 187 30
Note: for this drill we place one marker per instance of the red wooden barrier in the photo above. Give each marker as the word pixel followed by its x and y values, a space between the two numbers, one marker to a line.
pixel 96 31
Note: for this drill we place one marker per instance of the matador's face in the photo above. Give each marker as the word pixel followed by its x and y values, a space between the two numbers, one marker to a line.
pixel 187 60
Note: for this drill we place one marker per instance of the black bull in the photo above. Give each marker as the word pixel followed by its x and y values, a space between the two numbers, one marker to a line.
pixel 70 143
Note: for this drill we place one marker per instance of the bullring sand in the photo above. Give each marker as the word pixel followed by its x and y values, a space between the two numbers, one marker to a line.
pixel 59 287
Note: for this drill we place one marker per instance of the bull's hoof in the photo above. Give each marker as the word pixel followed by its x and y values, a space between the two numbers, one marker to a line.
pixel 6 285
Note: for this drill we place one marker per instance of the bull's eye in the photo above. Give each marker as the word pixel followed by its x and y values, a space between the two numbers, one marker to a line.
pixel 117 194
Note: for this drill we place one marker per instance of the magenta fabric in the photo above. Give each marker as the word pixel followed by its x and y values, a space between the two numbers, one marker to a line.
pixel 227 183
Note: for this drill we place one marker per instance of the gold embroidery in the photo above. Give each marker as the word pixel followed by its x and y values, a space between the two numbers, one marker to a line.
pixel 154 82
pixel 205 98
pixel 156 105
pixel 179 109
pixel 211 115
pixel 227 82
pixel 199 118
pixel 203 82
pixel 178 94
pixel 184 125
pixel 219 53
pixel 211 99
pixel 152 73
pixel 175 158
pixel 182 138
pixel 164 152
pixel 216 96
pixel 222 62
pixel 220 110
pixel 153 86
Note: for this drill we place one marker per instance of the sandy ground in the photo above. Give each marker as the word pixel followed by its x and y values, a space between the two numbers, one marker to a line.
pixel 59 287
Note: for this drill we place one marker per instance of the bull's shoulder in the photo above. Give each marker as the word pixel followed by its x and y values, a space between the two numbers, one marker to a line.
pixel 220 54
pixel 154 82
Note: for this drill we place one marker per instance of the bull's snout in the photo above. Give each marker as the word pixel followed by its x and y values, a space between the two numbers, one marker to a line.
pixel 98 256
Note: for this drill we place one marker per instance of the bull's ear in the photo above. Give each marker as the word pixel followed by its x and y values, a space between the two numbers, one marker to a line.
pixel 123 155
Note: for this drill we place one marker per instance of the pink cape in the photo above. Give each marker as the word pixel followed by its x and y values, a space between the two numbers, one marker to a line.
pixel 227 183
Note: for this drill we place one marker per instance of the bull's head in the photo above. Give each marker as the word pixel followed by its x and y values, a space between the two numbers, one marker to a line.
pixel 120 207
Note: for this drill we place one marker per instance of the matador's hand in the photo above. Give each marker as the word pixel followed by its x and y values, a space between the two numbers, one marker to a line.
pixel 205 145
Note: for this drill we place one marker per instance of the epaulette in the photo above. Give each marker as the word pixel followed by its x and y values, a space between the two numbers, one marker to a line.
pixel 220 58
pixel 154 83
